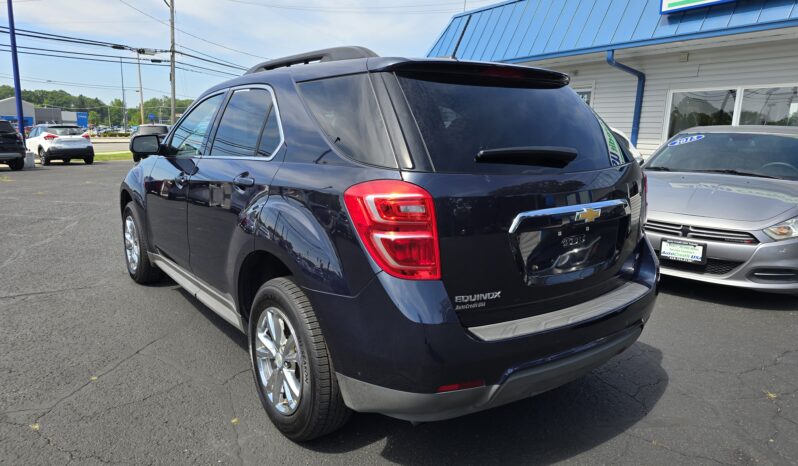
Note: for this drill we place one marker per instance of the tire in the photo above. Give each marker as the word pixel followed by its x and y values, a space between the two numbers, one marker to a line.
pixel 89 159
pixel 43 157
pixel 320 408
pixel 143 271
pixel 16 164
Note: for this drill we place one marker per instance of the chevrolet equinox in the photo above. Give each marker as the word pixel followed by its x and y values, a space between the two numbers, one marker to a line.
pixel 413 237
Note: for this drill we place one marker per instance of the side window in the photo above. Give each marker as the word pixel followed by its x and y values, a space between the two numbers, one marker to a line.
pixel 248 115
pixel 188 136
pixel 271 135
pixel 35 132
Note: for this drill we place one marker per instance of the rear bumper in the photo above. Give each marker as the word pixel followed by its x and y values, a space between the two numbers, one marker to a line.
pixel 69 152
pixel 770 267
pixel 7 156
pixel 424 407
pixel 394 344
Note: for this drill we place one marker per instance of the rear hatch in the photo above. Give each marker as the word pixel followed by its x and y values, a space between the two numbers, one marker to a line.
pixel 10 140
pixel 69 136
pixel 537 206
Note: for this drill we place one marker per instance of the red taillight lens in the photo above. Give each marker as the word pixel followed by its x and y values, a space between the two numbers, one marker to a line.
pixel 86 135
pixel 50 136
pixel 461 386
pixel 396 222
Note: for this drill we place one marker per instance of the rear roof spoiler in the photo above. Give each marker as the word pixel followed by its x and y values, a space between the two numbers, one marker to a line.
pixel 324 55
pixel 489 72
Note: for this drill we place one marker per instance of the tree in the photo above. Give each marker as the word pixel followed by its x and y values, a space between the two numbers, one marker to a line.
pixel 94 118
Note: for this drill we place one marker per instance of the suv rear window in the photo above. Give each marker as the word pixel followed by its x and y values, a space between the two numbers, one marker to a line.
pixel 64 130
pixel 346 109
pixel 458 119
pixel 6 127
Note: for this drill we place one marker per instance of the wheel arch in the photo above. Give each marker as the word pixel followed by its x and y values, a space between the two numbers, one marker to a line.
pixel 257 268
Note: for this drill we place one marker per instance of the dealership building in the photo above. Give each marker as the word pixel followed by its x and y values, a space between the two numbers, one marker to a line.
pixel 649 67
pixel 37 115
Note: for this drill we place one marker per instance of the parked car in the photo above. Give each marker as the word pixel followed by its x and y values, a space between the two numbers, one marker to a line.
pixel 623 140
pixel 160 130
pixel 398 236
pixel 60 142
pixel 724 206
pixel 12 147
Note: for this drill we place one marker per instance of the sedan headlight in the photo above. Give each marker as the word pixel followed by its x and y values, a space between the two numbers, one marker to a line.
pixel 785 230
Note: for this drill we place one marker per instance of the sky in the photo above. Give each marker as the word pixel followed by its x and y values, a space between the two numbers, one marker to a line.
pixel 243 32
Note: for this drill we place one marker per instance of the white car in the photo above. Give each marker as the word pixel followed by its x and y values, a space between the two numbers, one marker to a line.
pixel 627 143
pixel 60 142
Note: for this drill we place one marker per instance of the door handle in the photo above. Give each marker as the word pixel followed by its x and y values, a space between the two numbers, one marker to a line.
pixel 244 181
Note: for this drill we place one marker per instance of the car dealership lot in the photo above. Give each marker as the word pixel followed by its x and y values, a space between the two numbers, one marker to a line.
pixel 94 368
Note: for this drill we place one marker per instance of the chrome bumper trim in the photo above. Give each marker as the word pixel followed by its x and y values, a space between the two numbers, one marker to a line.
pixel 596 307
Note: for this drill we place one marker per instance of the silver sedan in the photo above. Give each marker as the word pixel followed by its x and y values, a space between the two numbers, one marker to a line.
pixel 723 206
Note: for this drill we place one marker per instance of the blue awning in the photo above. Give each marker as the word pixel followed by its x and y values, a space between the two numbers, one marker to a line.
pixel 526 30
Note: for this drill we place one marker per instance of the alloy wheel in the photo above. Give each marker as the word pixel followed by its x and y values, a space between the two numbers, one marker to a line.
pixel 278 360
pixel 132 249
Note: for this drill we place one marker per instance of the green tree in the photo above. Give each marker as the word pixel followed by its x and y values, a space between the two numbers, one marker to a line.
pixel 94 118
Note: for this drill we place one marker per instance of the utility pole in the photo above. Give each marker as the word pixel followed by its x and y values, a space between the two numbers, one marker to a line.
pixel 141 90
pixel 172 56
pixel 15 65
pixel 124 104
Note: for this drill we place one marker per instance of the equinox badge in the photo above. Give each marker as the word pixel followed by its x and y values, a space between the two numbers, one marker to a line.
pixel 588 215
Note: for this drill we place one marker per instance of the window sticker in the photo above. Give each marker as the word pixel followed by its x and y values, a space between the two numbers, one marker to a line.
pixel 612 146
pixel 686 140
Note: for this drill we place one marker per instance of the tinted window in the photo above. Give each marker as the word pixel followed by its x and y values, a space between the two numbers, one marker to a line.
pixel 242 123
pixel 702 108
pixel 64 130
pixel 6 127
pixel 770 106
pixel 271 135
pixel 347 111
pixel 761 154
pixel 190 133
pixel 153 130
pixel 457 120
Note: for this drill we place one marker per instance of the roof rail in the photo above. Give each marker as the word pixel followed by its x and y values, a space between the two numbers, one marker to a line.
pixel 332 54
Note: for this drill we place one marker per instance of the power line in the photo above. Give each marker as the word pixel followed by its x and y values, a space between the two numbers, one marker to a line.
pixel 88 85
pixel 190 34
pixel 218 73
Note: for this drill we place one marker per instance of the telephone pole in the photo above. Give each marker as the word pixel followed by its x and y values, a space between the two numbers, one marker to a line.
pixel 141 90
pixel 124 104
pixel 172 56
pixel 15 71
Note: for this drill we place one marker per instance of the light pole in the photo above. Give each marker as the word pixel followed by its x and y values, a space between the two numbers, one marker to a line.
pixel 15 65
pixel 124 104
pixel 172 57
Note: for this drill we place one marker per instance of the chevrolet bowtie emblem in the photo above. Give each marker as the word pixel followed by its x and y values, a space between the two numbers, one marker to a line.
pixel 588 215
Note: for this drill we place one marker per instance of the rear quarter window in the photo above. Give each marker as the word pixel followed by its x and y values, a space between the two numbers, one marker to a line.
pixel 346 109
pixel 5 127
pixel 459 119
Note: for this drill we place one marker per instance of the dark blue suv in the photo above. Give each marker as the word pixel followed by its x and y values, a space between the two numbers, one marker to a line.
pixel 418 238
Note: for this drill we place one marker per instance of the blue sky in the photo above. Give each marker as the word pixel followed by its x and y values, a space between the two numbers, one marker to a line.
pixel 266 28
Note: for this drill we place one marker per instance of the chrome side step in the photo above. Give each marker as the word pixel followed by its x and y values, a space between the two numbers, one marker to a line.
pixel 624 295
pixel 218 303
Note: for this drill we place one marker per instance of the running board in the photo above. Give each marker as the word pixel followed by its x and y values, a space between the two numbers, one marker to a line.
pixel 218 303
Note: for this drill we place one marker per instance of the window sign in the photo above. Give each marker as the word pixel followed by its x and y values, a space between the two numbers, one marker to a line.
pixel 672 6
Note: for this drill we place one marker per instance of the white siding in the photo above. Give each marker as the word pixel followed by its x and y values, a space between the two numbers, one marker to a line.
pixel 731 66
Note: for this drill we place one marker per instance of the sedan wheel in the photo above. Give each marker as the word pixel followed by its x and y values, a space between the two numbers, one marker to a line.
pixel 278 360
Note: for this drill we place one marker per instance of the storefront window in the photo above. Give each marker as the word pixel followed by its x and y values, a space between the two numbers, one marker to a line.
pixel 701 108
pixel 770 106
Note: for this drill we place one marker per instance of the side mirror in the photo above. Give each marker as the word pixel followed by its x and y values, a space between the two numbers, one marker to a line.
pixel 145 145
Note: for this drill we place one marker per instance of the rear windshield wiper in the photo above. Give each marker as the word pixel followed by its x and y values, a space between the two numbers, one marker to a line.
pixel 657 169
pixel 729 171
pixel 542 156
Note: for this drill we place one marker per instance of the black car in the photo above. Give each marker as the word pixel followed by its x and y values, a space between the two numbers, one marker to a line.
pixel 418 238
pixel 12 147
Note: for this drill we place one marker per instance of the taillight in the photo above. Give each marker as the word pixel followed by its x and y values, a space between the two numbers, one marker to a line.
pixel 396 222
pixel 86 136
pixel 50 136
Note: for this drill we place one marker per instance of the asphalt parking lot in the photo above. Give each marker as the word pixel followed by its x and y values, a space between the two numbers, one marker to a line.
pixel 96 369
